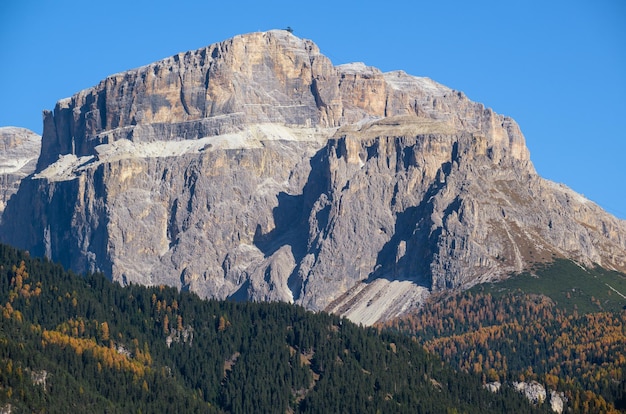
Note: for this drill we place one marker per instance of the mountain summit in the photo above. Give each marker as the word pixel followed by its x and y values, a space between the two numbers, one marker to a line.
pixel 254 169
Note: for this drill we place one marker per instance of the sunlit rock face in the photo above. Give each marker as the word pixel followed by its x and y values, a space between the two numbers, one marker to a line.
pixel 254 169
pixel 19 150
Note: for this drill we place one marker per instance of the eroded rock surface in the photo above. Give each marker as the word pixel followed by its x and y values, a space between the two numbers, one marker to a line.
pixel 533 391
pixel 255 169
pixel 19 150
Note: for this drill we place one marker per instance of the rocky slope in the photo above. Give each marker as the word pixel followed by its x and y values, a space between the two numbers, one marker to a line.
pixel 255 169
pixel 19 150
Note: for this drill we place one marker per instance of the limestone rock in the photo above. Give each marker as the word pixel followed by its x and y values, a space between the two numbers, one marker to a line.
pixel 533 391
pixel 19 150
pixel 493 386
pixel 557 401
pixel 255 169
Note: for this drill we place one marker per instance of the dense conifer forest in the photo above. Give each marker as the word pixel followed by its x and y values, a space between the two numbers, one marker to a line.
pixel 84 344
pixel 563 326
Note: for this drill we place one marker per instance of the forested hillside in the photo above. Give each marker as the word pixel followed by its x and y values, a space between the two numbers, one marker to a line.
pixel 563 326
pixel 83 344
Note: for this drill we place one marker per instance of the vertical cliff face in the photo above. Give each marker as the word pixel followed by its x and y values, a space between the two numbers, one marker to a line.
pixel 255 169
pixel 19 150
pixel 424 207
pixel 270 77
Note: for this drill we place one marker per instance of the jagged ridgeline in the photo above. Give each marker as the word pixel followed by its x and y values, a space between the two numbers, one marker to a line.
pixel 255 169
pixel 84 344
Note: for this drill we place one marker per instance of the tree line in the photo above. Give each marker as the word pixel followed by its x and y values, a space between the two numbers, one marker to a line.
pixel 80 342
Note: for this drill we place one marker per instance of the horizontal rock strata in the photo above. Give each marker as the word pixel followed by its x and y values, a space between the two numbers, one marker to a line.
pixel 254 169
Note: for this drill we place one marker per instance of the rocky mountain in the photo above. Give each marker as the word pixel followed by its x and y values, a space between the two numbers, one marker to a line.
pixel 19 150
pixel 255 169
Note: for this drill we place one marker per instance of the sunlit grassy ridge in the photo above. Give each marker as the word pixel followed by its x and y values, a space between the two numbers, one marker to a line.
pixel 571 286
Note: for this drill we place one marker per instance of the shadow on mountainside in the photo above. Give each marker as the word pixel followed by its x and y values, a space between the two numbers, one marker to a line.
pixel 291 216
pixel 410 251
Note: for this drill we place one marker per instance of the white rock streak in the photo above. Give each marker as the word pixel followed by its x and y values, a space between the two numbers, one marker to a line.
pixel 68 166
pixel 379 300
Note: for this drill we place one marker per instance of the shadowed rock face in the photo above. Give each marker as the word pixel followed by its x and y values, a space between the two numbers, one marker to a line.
pixel 255 169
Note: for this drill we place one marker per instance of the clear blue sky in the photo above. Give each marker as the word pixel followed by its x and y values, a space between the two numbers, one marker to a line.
pixel 557 67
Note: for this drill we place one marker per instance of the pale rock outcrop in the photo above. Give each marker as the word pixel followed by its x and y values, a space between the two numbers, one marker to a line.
pixel 19 150
pixel 40 378
pixel 493 386
pixel 533 391
pixel 255 169
pixel 557 401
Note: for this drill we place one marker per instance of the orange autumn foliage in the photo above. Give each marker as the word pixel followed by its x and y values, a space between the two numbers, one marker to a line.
pixel 109 357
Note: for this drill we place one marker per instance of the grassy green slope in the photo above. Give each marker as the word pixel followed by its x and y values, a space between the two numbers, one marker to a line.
pixel 571 286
